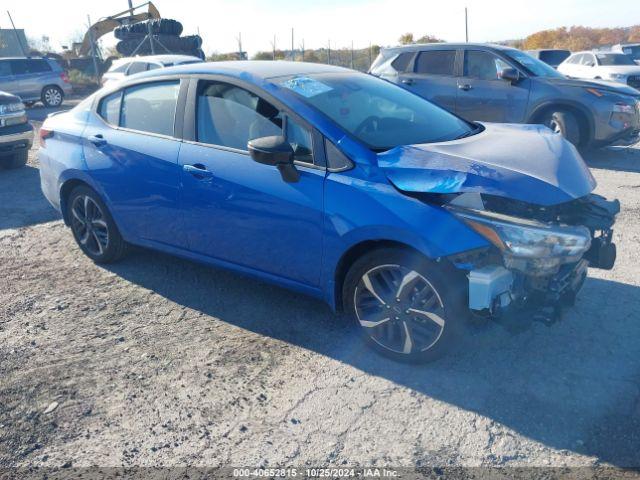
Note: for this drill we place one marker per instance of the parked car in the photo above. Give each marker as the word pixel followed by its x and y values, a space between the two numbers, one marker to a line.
pixel 332 183
pixel 495 83
pixel 34 79
pixel 550 56
pixel 16 133
pixel 631 49
pixel 124 67
pixel 613 66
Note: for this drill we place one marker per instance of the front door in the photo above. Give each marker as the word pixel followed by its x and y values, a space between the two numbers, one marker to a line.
pixel 242 212
pixel 483 96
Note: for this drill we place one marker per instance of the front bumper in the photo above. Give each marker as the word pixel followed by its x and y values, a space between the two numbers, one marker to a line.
pixel 15 138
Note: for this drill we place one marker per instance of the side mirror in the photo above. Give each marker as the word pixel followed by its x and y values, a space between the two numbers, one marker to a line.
pixel 277 152
pixel 509 74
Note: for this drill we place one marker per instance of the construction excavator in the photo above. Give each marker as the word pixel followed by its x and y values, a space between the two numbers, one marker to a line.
pixel 109 24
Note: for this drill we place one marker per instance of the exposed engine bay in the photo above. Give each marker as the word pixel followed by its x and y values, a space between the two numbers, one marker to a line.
pixel 540 254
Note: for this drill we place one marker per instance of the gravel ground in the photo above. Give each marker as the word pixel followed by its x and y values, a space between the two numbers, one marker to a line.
pixel 158 361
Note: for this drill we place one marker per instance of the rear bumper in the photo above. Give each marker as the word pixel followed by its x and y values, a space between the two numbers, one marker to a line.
pixel 15 138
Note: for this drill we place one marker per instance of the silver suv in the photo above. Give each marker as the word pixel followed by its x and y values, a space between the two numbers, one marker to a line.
pixel 34 79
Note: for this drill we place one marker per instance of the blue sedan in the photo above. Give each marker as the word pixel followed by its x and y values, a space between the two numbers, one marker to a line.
pixel 334 184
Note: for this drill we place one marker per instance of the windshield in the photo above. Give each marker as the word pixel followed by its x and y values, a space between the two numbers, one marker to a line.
pixel 633 52
pixel 532 65
pixel 612 59
pixel 554 57
pixel 378 113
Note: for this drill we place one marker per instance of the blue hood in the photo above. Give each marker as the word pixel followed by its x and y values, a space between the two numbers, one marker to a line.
pixel 523 162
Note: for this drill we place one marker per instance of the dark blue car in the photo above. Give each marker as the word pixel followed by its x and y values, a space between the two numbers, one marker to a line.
pixel 335 184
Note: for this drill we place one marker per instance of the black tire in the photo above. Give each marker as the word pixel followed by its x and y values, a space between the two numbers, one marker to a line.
pixel 431 335
pixel 102 242
pixel 29 104
pixel 52 96
pixel 17 160
pixel 159 26
pixel 566 124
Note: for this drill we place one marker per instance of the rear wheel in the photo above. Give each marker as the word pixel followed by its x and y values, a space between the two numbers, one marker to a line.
pixel 52 96
pixel 17 160
pixel 565 123
pixel 93 227
pixel 407 307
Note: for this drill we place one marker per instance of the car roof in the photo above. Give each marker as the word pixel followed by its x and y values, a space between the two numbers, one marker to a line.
pixel 263 69
pixel 549 50
pixel 157 58
pixel 26 58
pixel 423 46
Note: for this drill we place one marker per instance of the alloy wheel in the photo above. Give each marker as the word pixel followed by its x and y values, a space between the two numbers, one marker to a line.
pixel 399 309
pixel 89 225
pixel 52 97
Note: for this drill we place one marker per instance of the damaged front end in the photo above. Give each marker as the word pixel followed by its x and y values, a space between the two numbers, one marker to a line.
pixel 529 194
pixel 539 255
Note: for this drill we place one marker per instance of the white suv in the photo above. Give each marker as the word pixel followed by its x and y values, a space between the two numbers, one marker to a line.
pixel 613 66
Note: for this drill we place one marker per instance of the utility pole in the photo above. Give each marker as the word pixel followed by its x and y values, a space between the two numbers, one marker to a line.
pixel 24 50
pixel 466 25
pixel 293 56
pixel 351 54
pixel 130 5
pixel 329 53
pixel 302 49
pixel 273 46
pixel 239 38
pixel 93 51
pixel 370 54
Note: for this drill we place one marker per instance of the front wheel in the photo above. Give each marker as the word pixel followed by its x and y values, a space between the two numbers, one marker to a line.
pixel 566 124
pixel 52 96
pixel 406 307
pixel 93 227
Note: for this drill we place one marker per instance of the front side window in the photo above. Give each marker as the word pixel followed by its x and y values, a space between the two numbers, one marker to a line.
pixel 5 68
pixel 436 62
pixel 588 60
pixel 532 65
pixel 150 107
pixel 401 62
pixel 378 113
pixel 19 67
pixel 483 65
pixel 230 116
pixel 120 68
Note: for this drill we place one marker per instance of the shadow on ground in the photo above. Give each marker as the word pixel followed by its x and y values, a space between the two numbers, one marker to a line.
pixel 573 386
pixel 614 158
pixel 21 200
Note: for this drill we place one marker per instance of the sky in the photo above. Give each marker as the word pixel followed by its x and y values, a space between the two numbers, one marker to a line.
pixel 319 21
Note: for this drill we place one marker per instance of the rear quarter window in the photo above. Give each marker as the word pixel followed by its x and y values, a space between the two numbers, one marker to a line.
pixel 401 62
pixel 109 108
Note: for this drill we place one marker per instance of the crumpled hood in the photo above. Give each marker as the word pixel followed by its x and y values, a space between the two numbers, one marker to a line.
pixel 523 162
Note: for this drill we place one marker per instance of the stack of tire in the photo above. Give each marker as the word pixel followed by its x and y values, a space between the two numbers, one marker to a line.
pixel 165 31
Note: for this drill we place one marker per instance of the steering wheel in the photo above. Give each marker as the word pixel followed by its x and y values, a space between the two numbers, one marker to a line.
pixel 369 125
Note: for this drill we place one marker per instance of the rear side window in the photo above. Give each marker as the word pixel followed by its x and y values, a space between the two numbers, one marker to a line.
pixel 137 67
pixel 22 67
pixel 150 107
pixel 120 68
pixel 39 66
pixel 436 62
pixel 401 63
pixel 109 108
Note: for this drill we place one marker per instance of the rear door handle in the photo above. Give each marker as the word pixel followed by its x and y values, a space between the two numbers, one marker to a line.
pixel 407 81
pixel 198 170
pixel 98 140
pixel 465 86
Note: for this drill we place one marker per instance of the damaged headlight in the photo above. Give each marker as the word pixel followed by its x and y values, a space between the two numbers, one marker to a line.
pixel 529 246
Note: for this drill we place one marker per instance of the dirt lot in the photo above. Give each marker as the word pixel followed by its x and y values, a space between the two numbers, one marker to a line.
pixel 158 361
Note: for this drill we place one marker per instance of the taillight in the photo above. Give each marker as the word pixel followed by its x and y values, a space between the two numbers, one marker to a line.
pixel 64 77
pixel 44 134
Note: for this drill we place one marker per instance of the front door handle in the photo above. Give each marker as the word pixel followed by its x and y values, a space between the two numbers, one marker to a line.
pixel 465 86
pixel 198 170
pixel 98 140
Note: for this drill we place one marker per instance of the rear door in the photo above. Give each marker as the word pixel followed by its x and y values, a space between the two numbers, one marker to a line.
pixel 237 210
pixel 32 75
pixel 484 96
pixel 131 148
pixel 432 76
